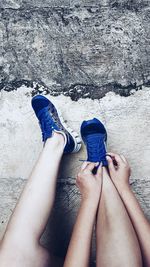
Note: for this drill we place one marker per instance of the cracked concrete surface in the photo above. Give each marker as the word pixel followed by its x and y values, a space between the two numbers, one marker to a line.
pixel 127 121
pixel 79 49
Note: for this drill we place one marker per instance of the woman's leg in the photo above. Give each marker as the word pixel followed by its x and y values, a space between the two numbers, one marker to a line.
pixel 117 244
pixel 120 177
pixel 20 245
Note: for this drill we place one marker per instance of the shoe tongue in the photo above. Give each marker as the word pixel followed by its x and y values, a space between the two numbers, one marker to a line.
pixel 96 148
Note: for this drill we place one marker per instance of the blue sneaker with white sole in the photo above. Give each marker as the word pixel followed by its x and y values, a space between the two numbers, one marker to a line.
pixel 94 136
pixel 50 122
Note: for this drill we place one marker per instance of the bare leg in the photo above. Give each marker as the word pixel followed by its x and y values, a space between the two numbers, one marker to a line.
pixel 117 244
pixel 120 177
pixel 32 211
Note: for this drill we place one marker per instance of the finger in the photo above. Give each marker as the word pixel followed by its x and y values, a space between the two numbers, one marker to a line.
pixel 84 165
pixel 99 171
pixel 111 154
pixel 91 166
pixel 111 166
pixel 117 158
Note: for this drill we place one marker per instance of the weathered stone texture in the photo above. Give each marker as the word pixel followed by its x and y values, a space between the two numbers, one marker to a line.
pixel 80 50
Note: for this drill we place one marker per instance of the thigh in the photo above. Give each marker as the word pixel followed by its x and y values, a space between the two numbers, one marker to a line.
pixel 37 257
pixel 16 257
pixel 48 259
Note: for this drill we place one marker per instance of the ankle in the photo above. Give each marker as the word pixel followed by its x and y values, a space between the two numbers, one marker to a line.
pixel 57 140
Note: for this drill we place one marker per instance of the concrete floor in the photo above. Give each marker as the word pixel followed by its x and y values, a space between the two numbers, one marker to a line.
pixel 127 120
pixel 91 58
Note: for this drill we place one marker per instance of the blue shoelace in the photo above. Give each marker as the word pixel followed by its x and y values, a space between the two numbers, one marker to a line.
pixel 96 149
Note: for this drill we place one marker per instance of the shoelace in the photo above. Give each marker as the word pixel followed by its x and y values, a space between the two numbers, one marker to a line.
pixel 96 149
pixel 45 124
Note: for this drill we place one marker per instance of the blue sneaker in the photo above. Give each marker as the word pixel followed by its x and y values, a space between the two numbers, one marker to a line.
pixel 94 136
pixel 50 121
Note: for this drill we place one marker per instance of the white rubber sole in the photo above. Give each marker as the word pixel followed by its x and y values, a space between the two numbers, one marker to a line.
pixel 75 135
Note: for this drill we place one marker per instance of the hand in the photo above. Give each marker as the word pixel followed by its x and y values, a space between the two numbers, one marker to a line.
pixel 88 183
pixel 119 170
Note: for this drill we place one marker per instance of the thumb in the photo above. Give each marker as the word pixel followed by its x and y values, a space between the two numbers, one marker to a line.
pixel 91 166
pixel 111 166
pixel 99 172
